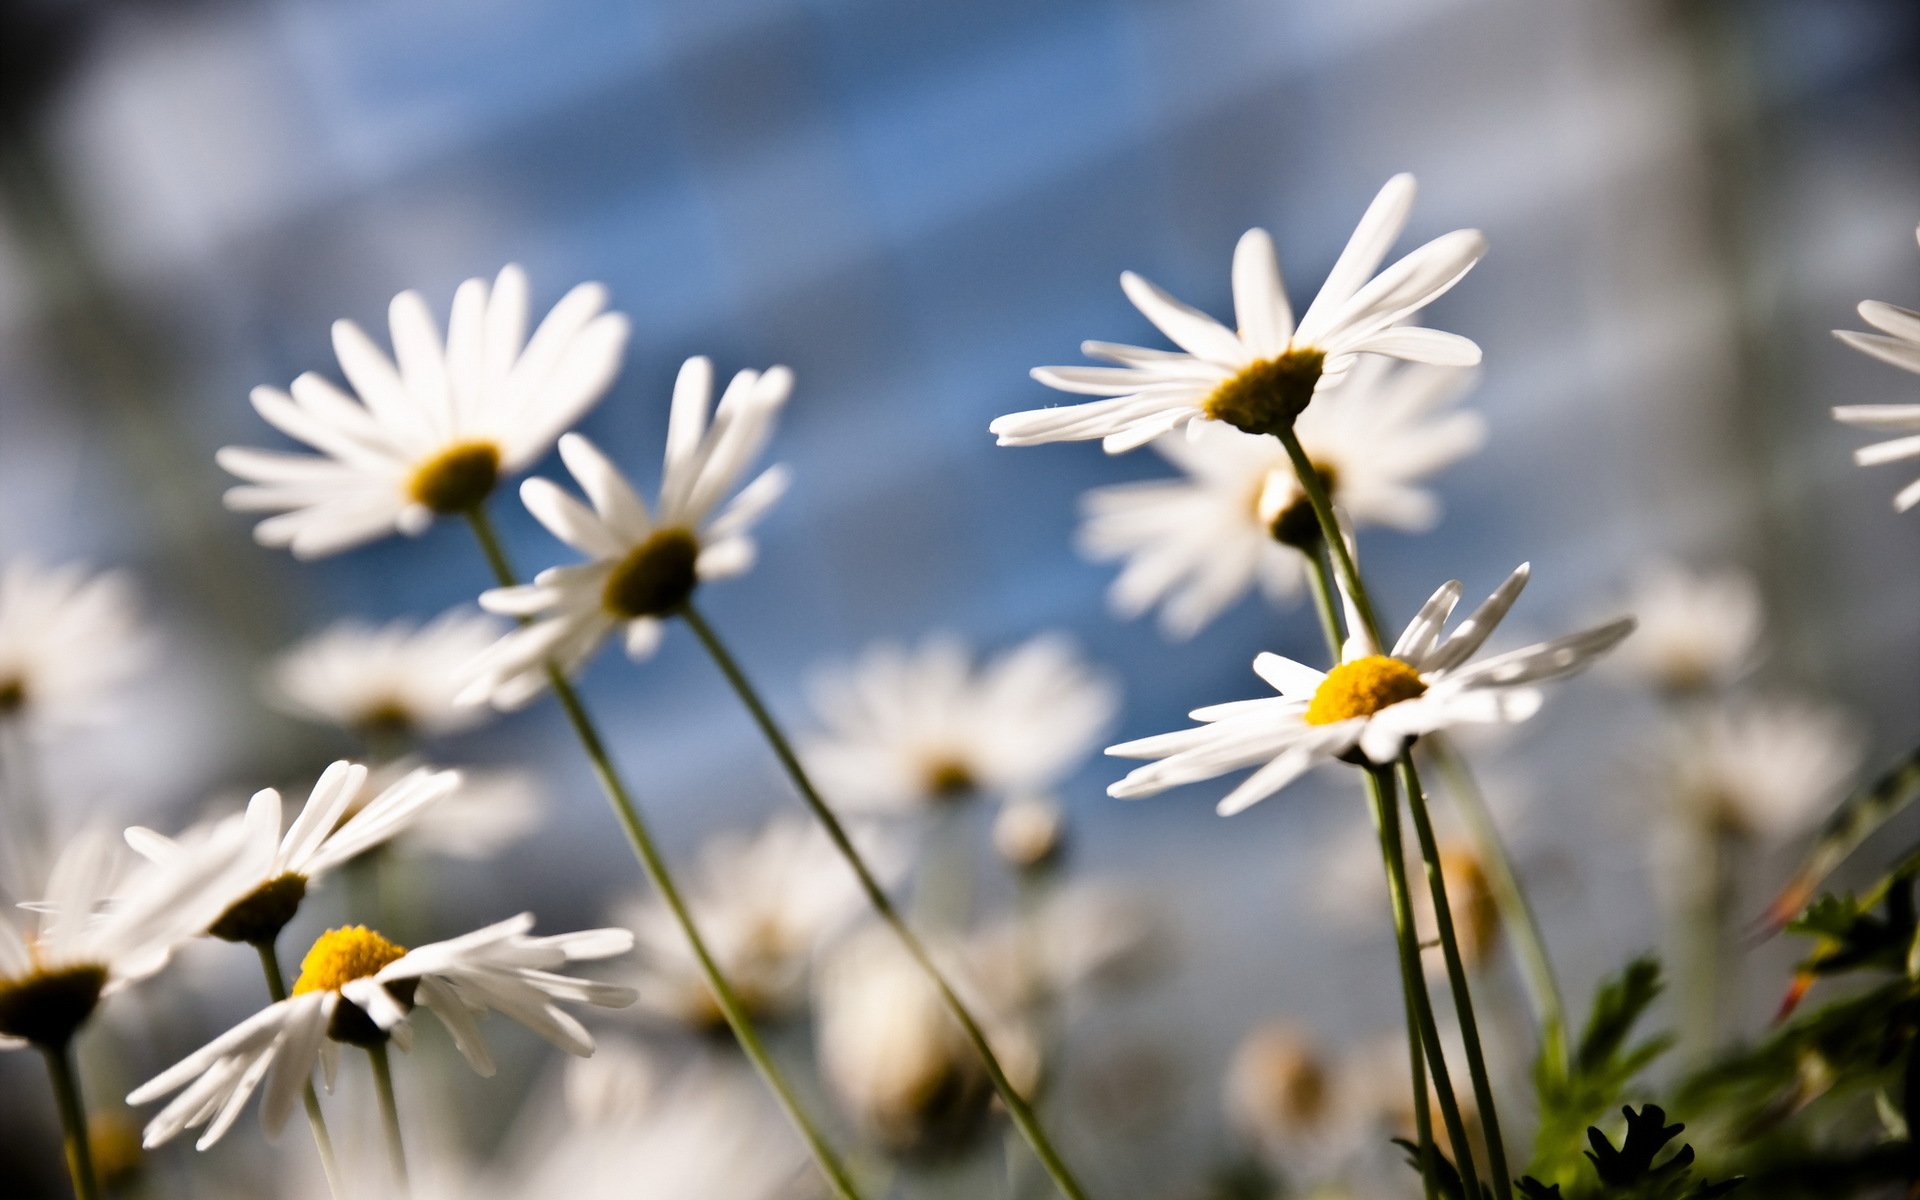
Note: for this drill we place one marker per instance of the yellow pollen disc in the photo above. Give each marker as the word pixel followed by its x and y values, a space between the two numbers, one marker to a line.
pixel 457 478
pixel 13 694
pixel 655 578
pixel 1362 688
pixel 340 956
pixel 949 779
pixel 1268 393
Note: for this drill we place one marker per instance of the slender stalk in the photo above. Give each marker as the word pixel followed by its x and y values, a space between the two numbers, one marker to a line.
pixel 1386 819
pixel 316 1119
pixel 1516 913
pixel 73 1119
pixel 1457 980
pixel 655 866
pixel 390 1115
pixel 1322 505
pixel 1326 602
pixel 1017 1106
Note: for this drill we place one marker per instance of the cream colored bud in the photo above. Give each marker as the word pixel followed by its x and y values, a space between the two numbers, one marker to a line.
pixel 1029 833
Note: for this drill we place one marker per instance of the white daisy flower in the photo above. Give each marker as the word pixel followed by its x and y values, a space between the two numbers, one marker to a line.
pixel 1238 519
pixel 1769 769
pixel 431 431
pixel 323 837
pixel 358 988
pixel 1297 1105
pixel 1261 376
pixel 1699 629
pixel 69 640
pixel 398 679
pixel 102 927
pixel 1897 342
pixel 918 728
pixel 1370 707
pixel 642 565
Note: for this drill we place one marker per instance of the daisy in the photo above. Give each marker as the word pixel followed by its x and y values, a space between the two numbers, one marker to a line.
pixel 1699 629
pixel 324 836
pixel 1238 519
pixel 1294 1103
pixel 431 431
pixel 358 988
pixel 390 681
pixel 102 927
pixel 918 728
pixel 1370 707
pixel 70 639
pixel 1897 342
pixel 1769 769
pixel 642 565
pixel 1263 374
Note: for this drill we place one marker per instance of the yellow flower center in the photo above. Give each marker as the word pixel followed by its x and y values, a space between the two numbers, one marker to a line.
pixel 1362 688
pixel 1282 506
pixel 258 917
pixel 655 578
pixel 1267 394
pixel 947 778
pixel 340 956
pixel 45 1006
pixel 457 479
pixel 13 695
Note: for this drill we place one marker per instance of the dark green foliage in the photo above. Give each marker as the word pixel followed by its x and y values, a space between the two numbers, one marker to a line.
pixel 1634 1170
pixel 1606 1060
pixel 1447 1181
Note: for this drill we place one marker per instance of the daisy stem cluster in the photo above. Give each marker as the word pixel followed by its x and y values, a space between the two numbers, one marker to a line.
pixel 657 872
pixel 1017 1107
pixel 316 1119
pixel 73 1119
pixel 389 1114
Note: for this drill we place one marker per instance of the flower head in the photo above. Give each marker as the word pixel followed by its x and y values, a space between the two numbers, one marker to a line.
pixel 907 728
pixel 1769 769
pixel 642 565
pixel 1898 342
pixel 1262 375
pixel 359 988
pixel 69 640
pixel 1698 629
pixel 395 679
pixel 1370 706
pixel 431 431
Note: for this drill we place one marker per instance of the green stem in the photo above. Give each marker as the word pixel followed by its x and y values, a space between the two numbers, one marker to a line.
pixel 390 1114
pixel 1017 1106
pixel 655 866
pixel 1386 820
pixel 1326 601
pixel 1457 979
pixel 316 1119
pixel 73 1119
pixel 1516 914
pixel 1322 505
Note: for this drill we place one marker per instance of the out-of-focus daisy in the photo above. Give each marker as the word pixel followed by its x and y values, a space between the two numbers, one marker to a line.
pixel 1370 707
pixel 1263 374
pixel 102 927
pixel 908 728
pixel 1897 342
pixel 1029 834
pixel 642 565
pixel 432 430
pixel 1294 1103
pixel 393 680
pixel 766 904
pixel 1769 769
pixel 492 809
pixel 284 860
pixel 1239 518
pixel 1699 629
pixel 358 988
pixel 69 639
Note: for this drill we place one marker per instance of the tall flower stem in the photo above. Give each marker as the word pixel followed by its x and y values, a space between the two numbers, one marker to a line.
pixel 316 1119
pixel 655 866
pixel 390 1114
pixel 1017 1106
pixel 1336 545
pixel 1457 979
pixel 73 1119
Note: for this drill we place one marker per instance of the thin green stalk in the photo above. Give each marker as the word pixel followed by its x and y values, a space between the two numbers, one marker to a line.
pixel 390 1114
pixel 1017 1106
pixel 1386 819
pixel 655 866
pixel 1516 913
pixel 1326 602
pixel 316 1119
pixel 73 1119
pixel 1322 505
pixel 1457 980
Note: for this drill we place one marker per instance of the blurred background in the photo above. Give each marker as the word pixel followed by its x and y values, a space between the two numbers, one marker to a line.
pixel 912 204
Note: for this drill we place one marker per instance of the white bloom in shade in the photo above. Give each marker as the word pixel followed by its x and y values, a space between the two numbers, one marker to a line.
pixel 1263 374
pixel 917 728
pixel 1897 342
pixel 1769 769
pixel 430 431
pixel 286 859
pixel 69 639
pixel 1294 1103
pixel 1699 629
pixel 102 927
pixel 1238 518
pixel 1371 706
pixel 492 809
pixel 356 987
pixel 642 565
pixel 400 678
